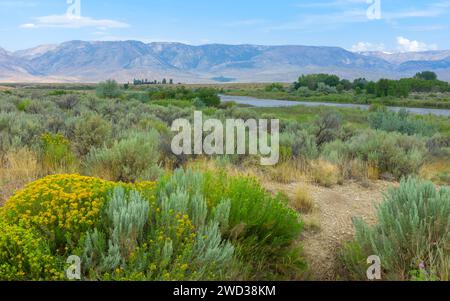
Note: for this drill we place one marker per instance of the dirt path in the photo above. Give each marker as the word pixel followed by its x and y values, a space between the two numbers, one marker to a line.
pixel 334 209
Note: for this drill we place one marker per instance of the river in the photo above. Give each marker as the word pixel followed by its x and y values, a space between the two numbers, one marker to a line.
pixel 273 103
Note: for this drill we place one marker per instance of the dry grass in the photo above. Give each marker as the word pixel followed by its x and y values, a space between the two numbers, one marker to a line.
pixel 373 173
pixel 286 172
pixel 18 168
pixel 362 171
pixel 325 173
pixel 302 200
pixel 311 223
pixel 437 171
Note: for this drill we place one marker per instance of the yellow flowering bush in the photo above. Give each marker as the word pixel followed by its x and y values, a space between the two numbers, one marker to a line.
pixel 63 205
pixel 25 256
pixel 43 223
pixel 67 202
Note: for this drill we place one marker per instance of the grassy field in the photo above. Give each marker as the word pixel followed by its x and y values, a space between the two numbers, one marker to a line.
pixel 73 158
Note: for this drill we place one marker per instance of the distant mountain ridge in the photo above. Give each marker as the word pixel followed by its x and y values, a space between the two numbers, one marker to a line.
pixel 81 61
pixel 402 57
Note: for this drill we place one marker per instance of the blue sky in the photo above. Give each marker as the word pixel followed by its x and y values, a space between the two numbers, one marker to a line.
pixel 401 25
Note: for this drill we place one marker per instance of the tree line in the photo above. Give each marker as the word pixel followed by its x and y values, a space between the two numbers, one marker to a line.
pixel 426 81
pixel 164 81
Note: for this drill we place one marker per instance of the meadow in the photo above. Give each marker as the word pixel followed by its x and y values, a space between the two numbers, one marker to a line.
pixel 88 170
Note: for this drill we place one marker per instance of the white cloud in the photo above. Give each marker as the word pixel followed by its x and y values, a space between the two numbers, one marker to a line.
pixel 406 45
pixel 367 46
pixel 70 21
pixel 28 25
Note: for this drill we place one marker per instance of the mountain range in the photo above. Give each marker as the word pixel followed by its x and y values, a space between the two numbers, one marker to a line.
pixel 81 61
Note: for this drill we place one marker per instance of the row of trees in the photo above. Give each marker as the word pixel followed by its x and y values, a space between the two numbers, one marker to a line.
pixel 426 81
pixel 164 81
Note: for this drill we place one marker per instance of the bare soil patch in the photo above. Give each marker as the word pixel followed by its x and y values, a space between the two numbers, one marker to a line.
pixel 332 221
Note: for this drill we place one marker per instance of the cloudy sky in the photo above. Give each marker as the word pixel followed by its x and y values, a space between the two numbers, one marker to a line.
pixel 359 25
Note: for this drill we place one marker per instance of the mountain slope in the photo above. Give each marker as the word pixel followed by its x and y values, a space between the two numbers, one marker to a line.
pixel 402 57
pixel 82 61
pixel 11 66
pixel 35 52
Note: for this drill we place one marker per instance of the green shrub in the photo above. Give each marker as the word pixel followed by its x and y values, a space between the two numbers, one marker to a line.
pixel 263 227
pixel 301 143
pixel 90 131
pixel 183 194
pixel 275 87
pixel 208 96
pixel 327 127
pixel 393 153
pixel 23 105
pixel 127 215
pixel 438 145
pixel 412 233
pixel 20 130
pixel 132 159
pixel 243 113
pixel 68 102
pixel 108 89
pixel 198 103
pixel 57 93
pixel 268 219
pixel 304 92
pixel 390 153
pixel 401 122
pixel 325 89
pixel 56 153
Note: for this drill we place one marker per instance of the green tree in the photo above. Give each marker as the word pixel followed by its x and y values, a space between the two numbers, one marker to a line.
pixel 426 75
pixel 371 88
pixel 382 88
pixel 208 96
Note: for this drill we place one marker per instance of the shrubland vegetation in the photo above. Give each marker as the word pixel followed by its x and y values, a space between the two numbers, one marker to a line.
pixel 90 172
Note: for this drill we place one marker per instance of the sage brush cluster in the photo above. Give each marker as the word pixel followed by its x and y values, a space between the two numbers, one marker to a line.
pixel 412 234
